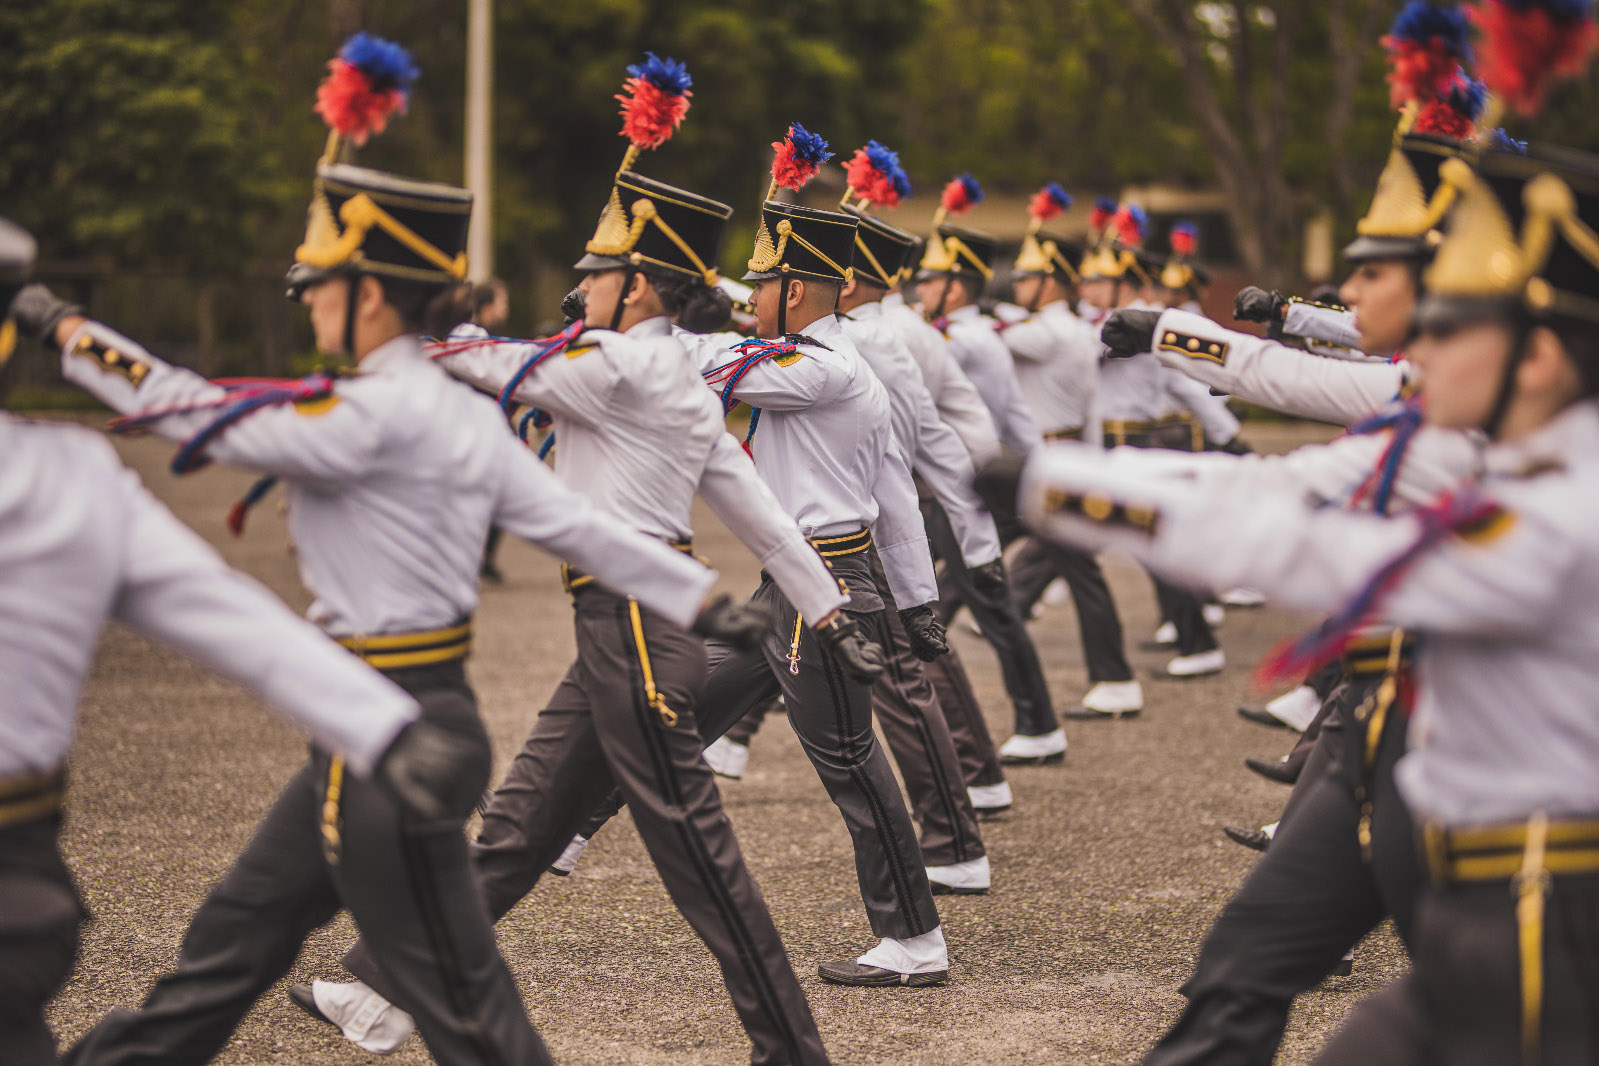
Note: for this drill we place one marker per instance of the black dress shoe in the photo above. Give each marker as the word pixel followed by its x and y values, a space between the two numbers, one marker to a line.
pixel 1078 713
pixel 1274 769
pixel 1255 839
pixel 305 999
pixel 1261 716
pixel 853 973
pixel 1344 968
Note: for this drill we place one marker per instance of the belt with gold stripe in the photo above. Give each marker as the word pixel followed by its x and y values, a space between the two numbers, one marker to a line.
pixel 1120 430
pixel 1373 655
pixel 573 579
pixel 30 796
pixel 848 544
pixel 1064 434
pixel 392 651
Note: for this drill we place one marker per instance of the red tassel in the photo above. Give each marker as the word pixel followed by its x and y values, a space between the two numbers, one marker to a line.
pixel 1524 52
pixel 347 102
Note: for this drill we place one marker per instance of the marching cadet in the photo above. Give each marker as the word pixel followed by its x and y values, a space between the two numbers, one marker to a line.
pixel 81 541
pixel 1498 583
pixel 1135 410
pixel 393 477
pixel 1057 366
pixel 638 433
pixel 820 437
pixel 956 265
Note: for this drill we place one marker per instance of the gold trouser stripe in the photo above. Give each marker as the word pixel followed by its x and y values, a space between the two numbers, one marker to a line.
pixel 793 649
pixel 1381 702
pixel 848 544
pixel 651 694
pixel 1532 885
pixel 332 840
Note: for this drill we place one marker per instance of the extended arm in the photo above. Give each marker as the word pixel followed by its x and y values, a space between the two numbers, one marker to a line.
pixel 576 384
pixel 901 536
pixel 790 382
pixel 946 470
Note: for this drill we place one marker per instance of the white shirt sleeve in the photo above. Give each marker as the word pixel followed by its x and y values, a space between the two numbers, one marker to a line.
pixel 901 536
pixel 946 470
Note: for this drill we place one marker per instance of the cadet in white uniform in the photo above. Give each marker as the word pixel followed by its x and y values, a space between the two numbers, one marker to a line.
pixel 1497 582
pixel 393 476
pixel 81 541
pixel 956 265
pixel 821 439
pixel 638 433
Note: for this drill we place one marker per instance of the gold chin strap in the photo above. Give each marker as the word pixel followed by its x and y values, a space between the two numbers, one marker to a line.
pixel 615 236
pixel 8 340
pixel 878 272
pixel 360 214
pixel 1055 255
pixel 1484 257
pixel 769 256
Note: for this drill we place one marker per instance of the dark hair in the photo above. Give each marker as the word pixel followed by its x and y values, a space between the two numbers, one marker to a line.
pixel 429 308
pixel 694 305
pixel 485 293
pixel 1580 338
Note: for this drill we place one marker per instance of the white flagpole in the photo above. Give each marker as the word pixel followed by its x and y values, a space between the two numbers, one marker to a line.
pixel 479 141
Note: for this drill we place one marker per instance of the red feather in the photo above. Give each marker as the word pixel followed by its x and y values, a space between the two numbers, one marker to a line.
pixel 789 170
pixel 649 115
pixel 870 184
pixel 1127 231
pixel 1418 72
pixel 1524 52
pixel 1441 120
pixel 347 102
pixel 1044 206
pixel 1184 243
pixel 1099 218
pixel 955 201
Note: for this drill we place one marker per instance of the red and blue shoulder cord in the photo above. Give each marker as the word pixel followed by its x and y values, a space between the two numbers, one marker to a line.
pixel 1453 513
pixel 543 349
pixel 729 374
pixel 1403 417
pixel 241 398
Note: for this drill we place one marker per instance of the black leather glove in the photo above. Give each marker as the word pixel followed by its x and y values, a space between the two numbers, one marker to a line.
pixel 925 633
pixel 843 640
pixel 1130 332
pixel 38 311
pixel 437 773
pixel 1237 446
pixel 989 579
pixel 738 624
pixel 997 483
pixel 574 306
pixel 1258 305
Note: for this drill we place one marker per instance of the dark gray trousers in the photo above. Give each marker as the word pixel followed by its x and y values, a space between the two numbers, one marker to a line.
pixel 979 760
pixel 407 884
pixel 600 731
pixel 39 918
pixel 1036 563
pixel 1310 898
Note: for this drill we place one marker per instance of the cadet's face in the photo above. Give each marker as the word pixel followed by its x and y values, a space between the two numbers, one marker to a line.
pixel 1028 289
pixel 1099 292
pixel 1460 372
pixel 601 291
pixel 1382 294
pixel 329 303
pixel 929 293
pixel 764 298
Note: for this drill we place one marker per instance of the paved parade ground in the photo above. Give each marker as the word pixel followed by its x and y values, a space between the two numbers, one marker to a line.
pixel 1106 873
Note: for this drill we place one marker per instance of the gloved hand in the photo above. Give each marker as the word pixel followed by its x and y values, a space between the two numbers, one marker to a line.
pixel 1258 305
pixel 38 311
pixel 997 483
pixel 1237 446
pixel 925 633
pixel 574 306
pixel 437 773
pixel 1130 332
pixel 739 624
pixel 841 638
pixel 989 578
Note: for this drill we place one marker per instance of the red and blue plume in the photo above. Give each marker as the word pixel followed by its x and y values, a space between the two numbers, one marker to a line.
pixel 1131 224
pixel 1185 239
pixel 1455 112
pixel 368 81
pixel 654 100
pixel 1104 210
pixel 1528 45
pixel 1425 45
pixel 799 156
pixel 875 175
pixel 1500 141
pixel 1049 202
pixel 961 195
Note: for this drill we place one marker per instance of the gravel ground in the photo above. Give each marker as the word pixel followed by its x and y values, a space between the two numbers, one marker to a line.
pixel 1106 873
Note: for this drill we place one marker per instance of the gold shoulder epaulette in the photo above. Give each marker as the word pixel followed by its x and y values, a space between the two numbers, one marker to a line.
pixel 1194 347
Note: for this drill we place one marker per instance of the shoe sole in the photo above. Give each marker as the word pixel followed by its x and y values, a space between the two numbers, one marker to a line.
pixel 915 980
pixel 1088 714
pixel 1250 844
pixel 302 996
pixel 1032 760
pixel 1165 675
pixel 1265 718
pixel 1280 779
pixel 941 889
pixel 989 813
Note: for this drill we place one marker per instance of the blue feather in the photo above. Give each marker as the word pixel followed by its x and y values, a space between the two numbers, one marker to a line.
pixel 1060 196
pixel 1468 96
pixel 886 160
pixel 1421 21
pixel 974 191
pixel 1500 141
pixel 667 75
pixel 1105 204
pixel 807 145
pixel 385 63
